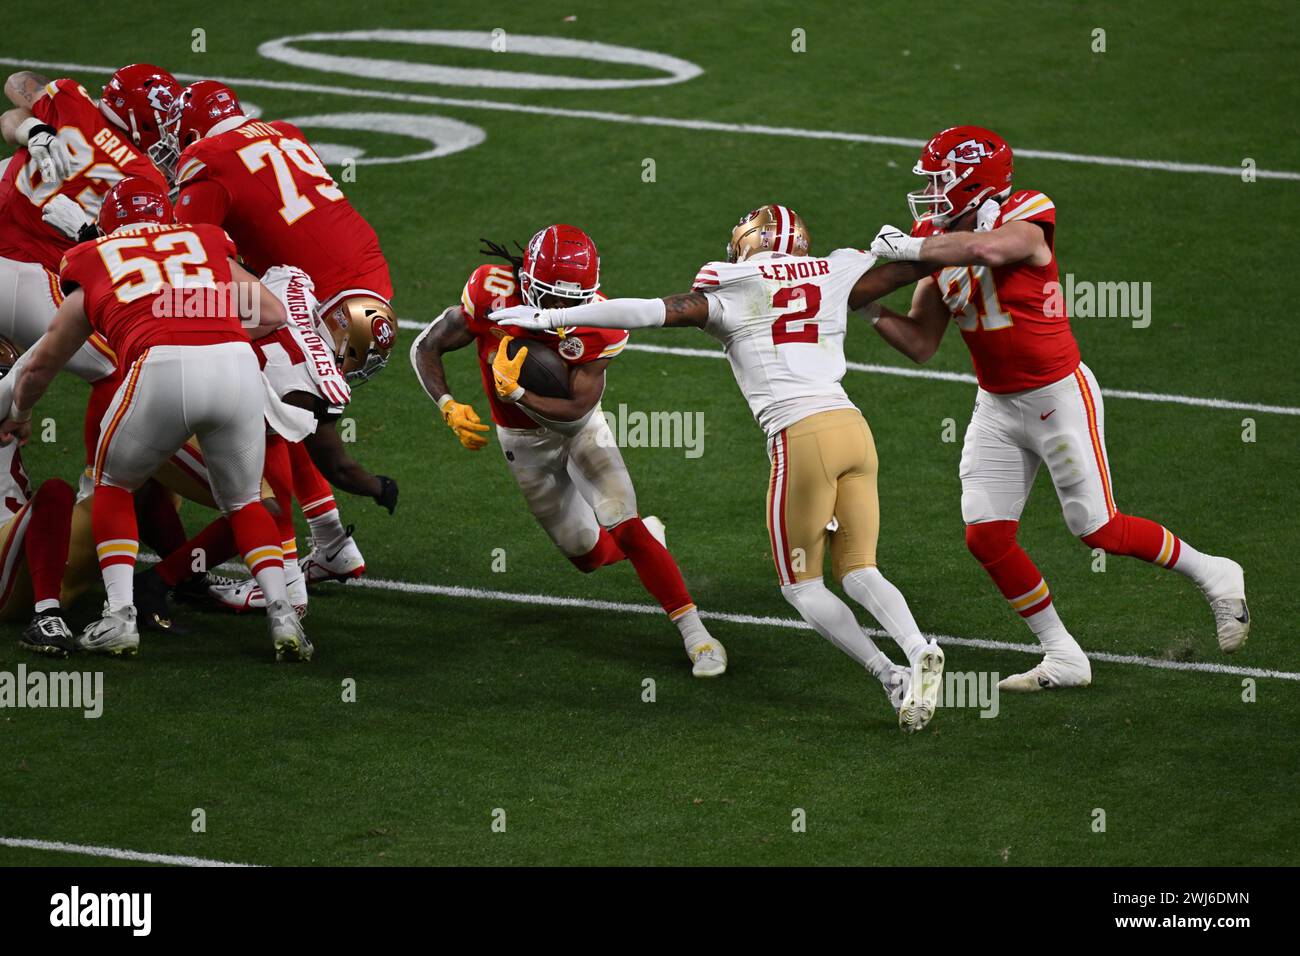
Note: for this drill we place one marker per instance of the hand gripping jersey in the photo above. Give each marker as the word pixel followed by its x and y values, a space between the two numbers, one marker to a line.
pixel 149 285
pixel 492 287
pixel 782 320
pixel 1012 316
pixel 271 192
pixel 100 158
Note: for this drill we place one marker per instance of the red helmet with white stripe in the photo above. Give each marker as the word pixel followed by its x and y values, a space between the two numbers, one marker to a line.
pixel 560 261
pixel 963 166
pixel 770 228
pixel 136 100
pixel 134 200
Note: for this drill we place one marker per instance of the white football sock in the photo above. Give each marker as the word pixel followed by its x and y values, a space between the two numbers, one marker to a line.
pixel 326 529
pixel 691 628
pixel 270 578
pixel 1051 633
pixel 49 604
pixel 1192 563
pixel 119 585
pixel 292 570
pixel 834 620
pixel 887 605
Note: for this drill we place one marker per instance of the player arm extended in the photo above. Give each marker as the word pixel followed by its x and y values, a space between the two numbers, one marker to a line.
pixel 917 334
pixel 674 311
pixel 1012 242
pixel 267 313
pixel 67 333
pixel 325 448
pixel 447 333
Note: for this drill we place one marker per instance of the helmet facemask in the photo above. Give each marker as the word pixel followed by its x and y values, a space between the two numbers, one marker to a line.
pixel 534 290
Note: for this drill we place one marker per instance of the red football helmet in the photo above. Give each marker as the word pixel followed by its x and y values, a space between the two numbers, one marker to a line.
pixel 134 200
pixel 963 166
pixel 137 99
pixel 561 261
pixel 198 108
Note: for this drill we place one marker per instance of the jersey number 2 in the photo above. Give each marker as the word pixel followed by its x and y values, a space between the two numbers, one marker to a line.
pixel 807 295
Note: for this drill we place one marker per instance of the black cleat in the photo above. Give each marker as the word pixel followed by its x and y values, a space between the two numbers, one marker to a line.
pixel 152 611
pixel 48 634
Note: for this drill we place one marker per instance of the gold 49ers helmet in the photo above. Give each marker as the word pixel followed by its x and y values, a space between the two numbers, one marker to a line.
pixel 364 330
pixel 770 228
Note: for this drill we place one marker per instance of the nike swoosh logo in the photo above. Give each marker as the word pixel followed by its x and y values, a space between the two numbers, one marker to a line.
pixel 1043 418
pixel 331 557
pixel 1243 617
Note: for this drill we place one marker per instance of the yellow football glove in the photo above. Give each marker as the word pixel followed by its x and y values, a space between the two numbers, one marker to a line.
pixel 465 423
pixel 505 371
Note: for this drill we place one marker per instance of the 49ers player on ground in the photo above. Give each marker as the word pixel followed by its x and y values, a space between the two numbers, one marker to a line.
pixel 264 184
pixel 782 316
pixel 188 375
pixel 560 450
pixel 1037 402
pixel 73 149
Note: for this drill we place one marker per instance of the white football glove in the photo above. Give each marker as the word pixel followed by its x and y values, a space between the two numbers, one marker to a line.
pixel 987 215
pixel 66 216
pixel 43 145
pixel 893 243
pixel 525 317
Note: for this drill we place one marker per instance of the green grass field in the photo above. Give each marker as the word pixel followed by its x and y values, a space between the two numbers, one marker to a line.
pixel 466 704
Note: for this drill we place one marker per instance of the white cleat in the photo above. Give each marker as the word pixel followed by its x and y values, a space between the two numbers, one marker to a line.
pixel 114 634
pixel 1227 596
pixel 341 561
pixel 708 659
pixel 655 526
pixel 1053 672
pixel 922 694
pixel 897 684
pixel 287 635
pixel 246 595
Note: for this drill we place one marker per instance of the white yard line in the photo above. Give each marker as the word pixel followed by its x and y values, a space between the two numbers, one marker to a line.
pixel 550 600
pixel 133 856
pixel 712 126
pixel 964 378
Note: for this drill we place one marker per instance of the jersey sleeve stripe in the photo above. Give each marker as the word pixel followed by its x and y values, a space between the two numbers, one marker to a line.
pixel 1033 208
pixel 467 302
pixel 188 171
pixel 613 350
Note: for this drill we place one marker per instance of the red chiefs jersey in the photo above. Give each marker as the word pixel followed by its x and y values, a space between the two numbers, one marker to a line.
pixel 1016 341
pixel 267 187
pixel 148 285
pixel 101 155
pixel 492 287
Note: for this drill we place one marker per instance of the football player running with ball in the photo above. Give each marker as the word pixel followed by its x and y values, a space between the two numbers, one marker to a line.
pixel 560 450
pixel 1037 402
pixel 782 316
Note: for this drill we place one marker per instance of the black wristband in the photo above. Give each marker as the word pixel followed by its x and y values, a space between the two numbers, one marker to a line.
pixel 89 232
pixel 387 497
pixel 41 128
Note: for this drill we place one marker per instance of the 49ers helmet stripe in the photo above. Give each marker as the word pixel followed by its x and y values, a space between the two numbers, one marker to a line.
pixel 770 228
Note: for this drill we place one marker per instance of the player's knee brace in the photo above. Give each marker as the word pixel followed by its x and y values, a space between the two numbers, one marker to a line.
pixel 989 541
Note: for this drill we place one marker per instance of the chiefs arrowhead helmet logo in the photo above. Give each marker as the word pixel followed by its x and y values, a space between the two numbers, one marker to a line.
pixel 971 152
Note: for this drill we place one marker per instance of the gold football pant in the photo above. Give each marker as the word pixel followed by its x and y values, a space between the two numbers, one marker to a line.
pixel 823 475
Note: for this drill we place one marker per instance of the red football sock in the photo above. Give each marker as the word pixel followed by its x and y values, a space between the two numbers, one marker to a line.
pixel 1137 538
pixel 215 543
pixel 605 552
pixel 279 475
pixel 654 565
pixel 994 545
pixel 46 542
pixel 313 492
pixel 159 522
pixel 257 537
pixel 117 542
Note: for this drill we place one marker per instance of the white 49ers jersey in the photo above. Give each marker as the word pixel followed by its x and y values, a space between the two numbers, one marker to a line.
pixel 782 320
pixel 15 489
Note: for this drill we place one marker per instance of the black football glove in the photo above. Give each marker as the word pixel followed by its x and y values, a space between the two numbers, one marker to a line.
pixel 387 497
